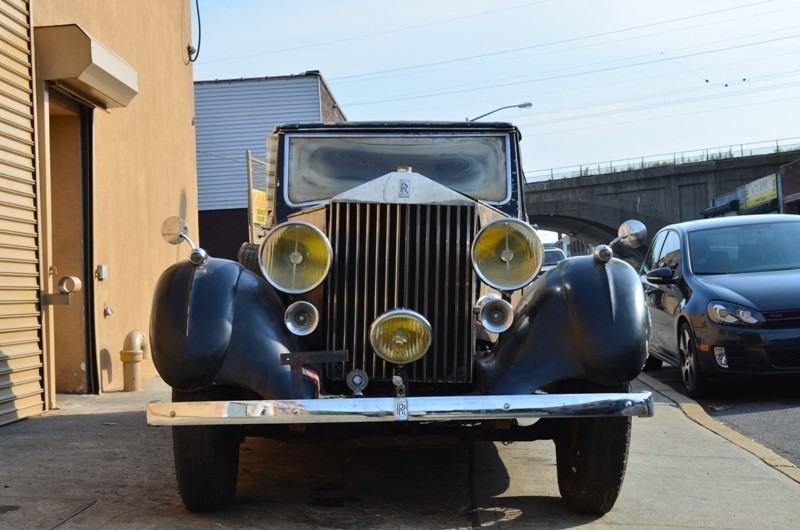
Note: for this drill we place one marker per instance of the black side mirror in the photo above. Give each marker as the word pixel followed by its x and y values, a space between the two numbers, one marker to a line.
pixel 660 276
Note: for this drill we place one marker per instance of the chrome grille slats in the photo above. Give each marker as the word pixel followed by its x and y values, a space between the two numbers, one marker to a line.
pixel 388 256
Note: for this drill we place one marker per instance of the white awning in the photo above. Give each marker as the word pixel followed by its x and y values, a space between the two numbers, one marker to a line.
pixel 80 64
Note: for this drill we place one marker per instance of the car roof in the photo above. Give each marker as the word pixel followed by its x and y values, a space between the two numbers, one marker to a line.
pixel 734 220
pixel 398 126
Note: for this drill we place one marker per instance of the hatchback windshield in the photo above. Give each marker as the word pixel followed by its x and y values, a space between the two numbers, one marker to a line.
pixel 745 248
pixel 553 255
pixel 321 167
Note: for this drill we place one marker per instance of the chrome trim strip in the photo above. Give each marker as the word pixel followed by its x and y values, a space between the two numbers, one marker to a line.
pixel 362 410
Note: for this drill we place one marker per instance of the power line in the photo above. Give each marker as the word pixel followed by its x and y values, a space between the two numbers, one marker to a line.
pixel 549 133
pixel 561 90
pixel 378 34
pixel 649 96
pixel 421 95
pixel 554 43
pixel 675 93
pixel 639 108
pixel 669 58
pixel 406 71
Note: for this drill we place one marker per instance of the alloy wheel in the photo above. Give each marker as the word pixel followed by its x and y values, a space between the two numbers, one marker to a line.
pixel 690 367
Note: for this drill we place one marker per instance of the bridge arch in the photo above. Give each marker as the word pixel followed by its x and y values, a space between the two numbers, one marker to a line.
pixel 592 207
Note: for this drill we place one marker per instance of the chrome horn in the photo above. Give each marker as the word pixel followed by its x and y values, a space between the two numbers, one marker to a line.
pixel 301 318
pixel 495 314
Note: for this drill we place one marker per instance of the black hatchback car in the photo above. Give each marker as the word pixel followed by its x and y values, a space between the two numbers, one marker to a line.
pixel 724 298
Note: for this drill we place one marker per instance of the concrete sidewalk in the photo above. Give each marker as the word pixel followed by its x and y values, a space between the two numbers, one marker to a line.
pixel 94 463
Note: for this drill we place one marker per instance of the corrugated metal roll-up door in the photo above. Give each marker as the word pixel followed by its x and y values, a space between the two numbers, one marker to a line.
pixel 21 359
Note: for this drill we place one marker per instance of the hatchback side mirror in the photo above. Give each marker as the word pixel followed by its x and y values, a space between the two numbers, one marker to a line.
pixel 660 276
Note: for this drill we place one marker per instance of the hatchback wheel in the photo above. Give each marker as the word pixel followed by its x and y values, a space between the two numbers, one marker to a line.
pixel 693 379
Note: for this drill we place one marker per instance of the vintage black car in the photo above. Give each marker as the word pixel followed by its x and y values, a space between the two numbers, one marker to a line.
pixel 724 298
pixel 393 293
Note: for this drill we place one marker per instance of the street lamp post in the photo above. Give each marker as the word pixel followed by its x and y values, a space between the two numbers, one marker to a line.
pixel 525 105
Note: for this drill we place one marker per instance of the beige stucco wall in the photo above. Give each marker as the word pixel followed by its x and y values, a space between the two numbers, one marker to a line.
pixel 144 159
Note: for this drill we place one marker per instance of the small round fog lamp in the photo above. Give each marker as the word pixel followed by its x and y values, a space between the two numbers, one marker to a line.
pixel 400 336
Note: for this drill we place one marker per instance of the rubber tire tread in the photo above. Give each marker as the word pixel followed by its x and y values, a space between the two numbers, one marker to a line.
pixel 599 449
pixel 248 257
pixel 206 459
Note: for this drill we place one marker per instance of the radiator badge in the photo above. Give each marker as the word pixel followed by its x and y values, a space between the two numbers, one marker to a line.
pixel 401 409
pixel 405 189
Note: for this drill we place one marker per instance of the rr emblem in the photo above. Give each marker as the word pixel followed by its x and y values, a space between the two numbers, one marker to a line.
pixel 401 409
pixel 405 189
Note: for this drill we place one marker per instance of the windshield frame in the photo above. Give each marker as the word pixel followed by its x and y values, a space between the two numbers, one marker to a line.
pixel 503 136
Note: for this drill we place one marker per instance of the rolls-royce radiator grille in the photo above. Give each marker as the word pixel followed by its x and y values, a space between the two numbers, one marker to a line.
pixel 388 256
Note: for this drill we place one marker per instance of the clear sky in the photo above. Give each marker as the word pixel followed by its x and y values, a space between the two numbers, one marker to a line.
pixel 608 79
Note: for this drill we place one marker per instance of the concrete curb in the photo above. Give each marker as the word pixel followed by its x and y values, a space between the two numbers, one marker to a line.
pixel 696 413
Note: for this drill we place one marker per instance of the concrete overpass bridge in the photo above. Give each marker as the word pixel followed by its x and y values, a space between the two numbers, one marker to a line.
pixel 592 207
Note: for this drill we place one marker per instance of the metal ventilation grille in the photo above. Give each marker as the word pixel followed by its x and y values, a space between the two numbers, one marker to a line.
pixel 782 319
pixel 388 256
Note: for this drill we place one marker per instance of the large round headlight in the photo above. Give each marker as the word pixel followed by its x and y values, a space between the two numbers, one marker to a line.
pixel 507 254
pixel 400 336
pixel 295 257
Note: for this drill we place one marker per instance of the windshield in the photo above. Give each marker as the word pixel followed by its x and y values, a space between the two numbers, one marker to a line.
pixel 321 167
pixel 553 255
pixel 745 248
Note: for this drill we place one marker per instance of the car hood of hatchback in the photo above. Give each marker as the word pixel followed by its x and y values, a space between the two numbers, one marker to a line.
pixel 759 290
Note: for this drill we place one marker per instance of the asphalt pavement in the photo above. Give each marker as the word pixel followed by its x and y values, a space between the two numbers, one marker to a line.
pixel 94 463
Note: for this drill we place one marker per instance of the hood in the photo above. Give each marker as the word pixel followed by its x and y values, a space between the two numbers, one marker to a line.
pixel 404 187
pixel 407 187
pixel 764 291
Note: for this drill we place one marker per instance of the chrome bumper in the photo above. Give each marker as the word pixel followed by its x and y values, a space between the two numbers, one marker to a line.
pixel 362 410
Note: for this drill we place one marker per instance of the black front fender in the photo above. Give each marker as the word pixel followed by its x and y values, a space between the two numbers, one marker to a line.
pixel 582 320
pixel 221 324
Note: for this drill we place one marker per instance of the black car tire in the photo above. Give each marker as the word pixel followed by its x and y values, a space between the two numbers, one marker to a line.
pixel 248 256
pixel 693 379
pixel 206 458
pixel 591 457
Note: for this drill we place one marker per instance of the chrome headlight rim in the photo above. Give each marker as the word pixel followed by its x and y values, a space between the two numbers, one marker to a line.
pixel 400 313
pixel 276 232
pixel 534 269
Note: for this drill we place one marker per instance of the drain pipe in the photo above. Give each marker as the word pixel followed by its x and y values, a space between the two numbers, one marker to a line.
pixel 134 349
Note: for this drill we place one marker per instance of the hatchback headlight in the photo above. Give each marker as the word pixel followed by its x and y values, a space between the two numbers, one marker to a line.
pixel 295 257
pixel 507 254
pixel 727 313
pixel 400 336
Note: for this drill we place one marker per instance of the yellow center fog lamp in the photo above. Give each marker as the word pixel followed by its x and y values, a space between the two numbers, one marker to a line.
pixel 295 257
pixel 507 254
pixel 400 336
